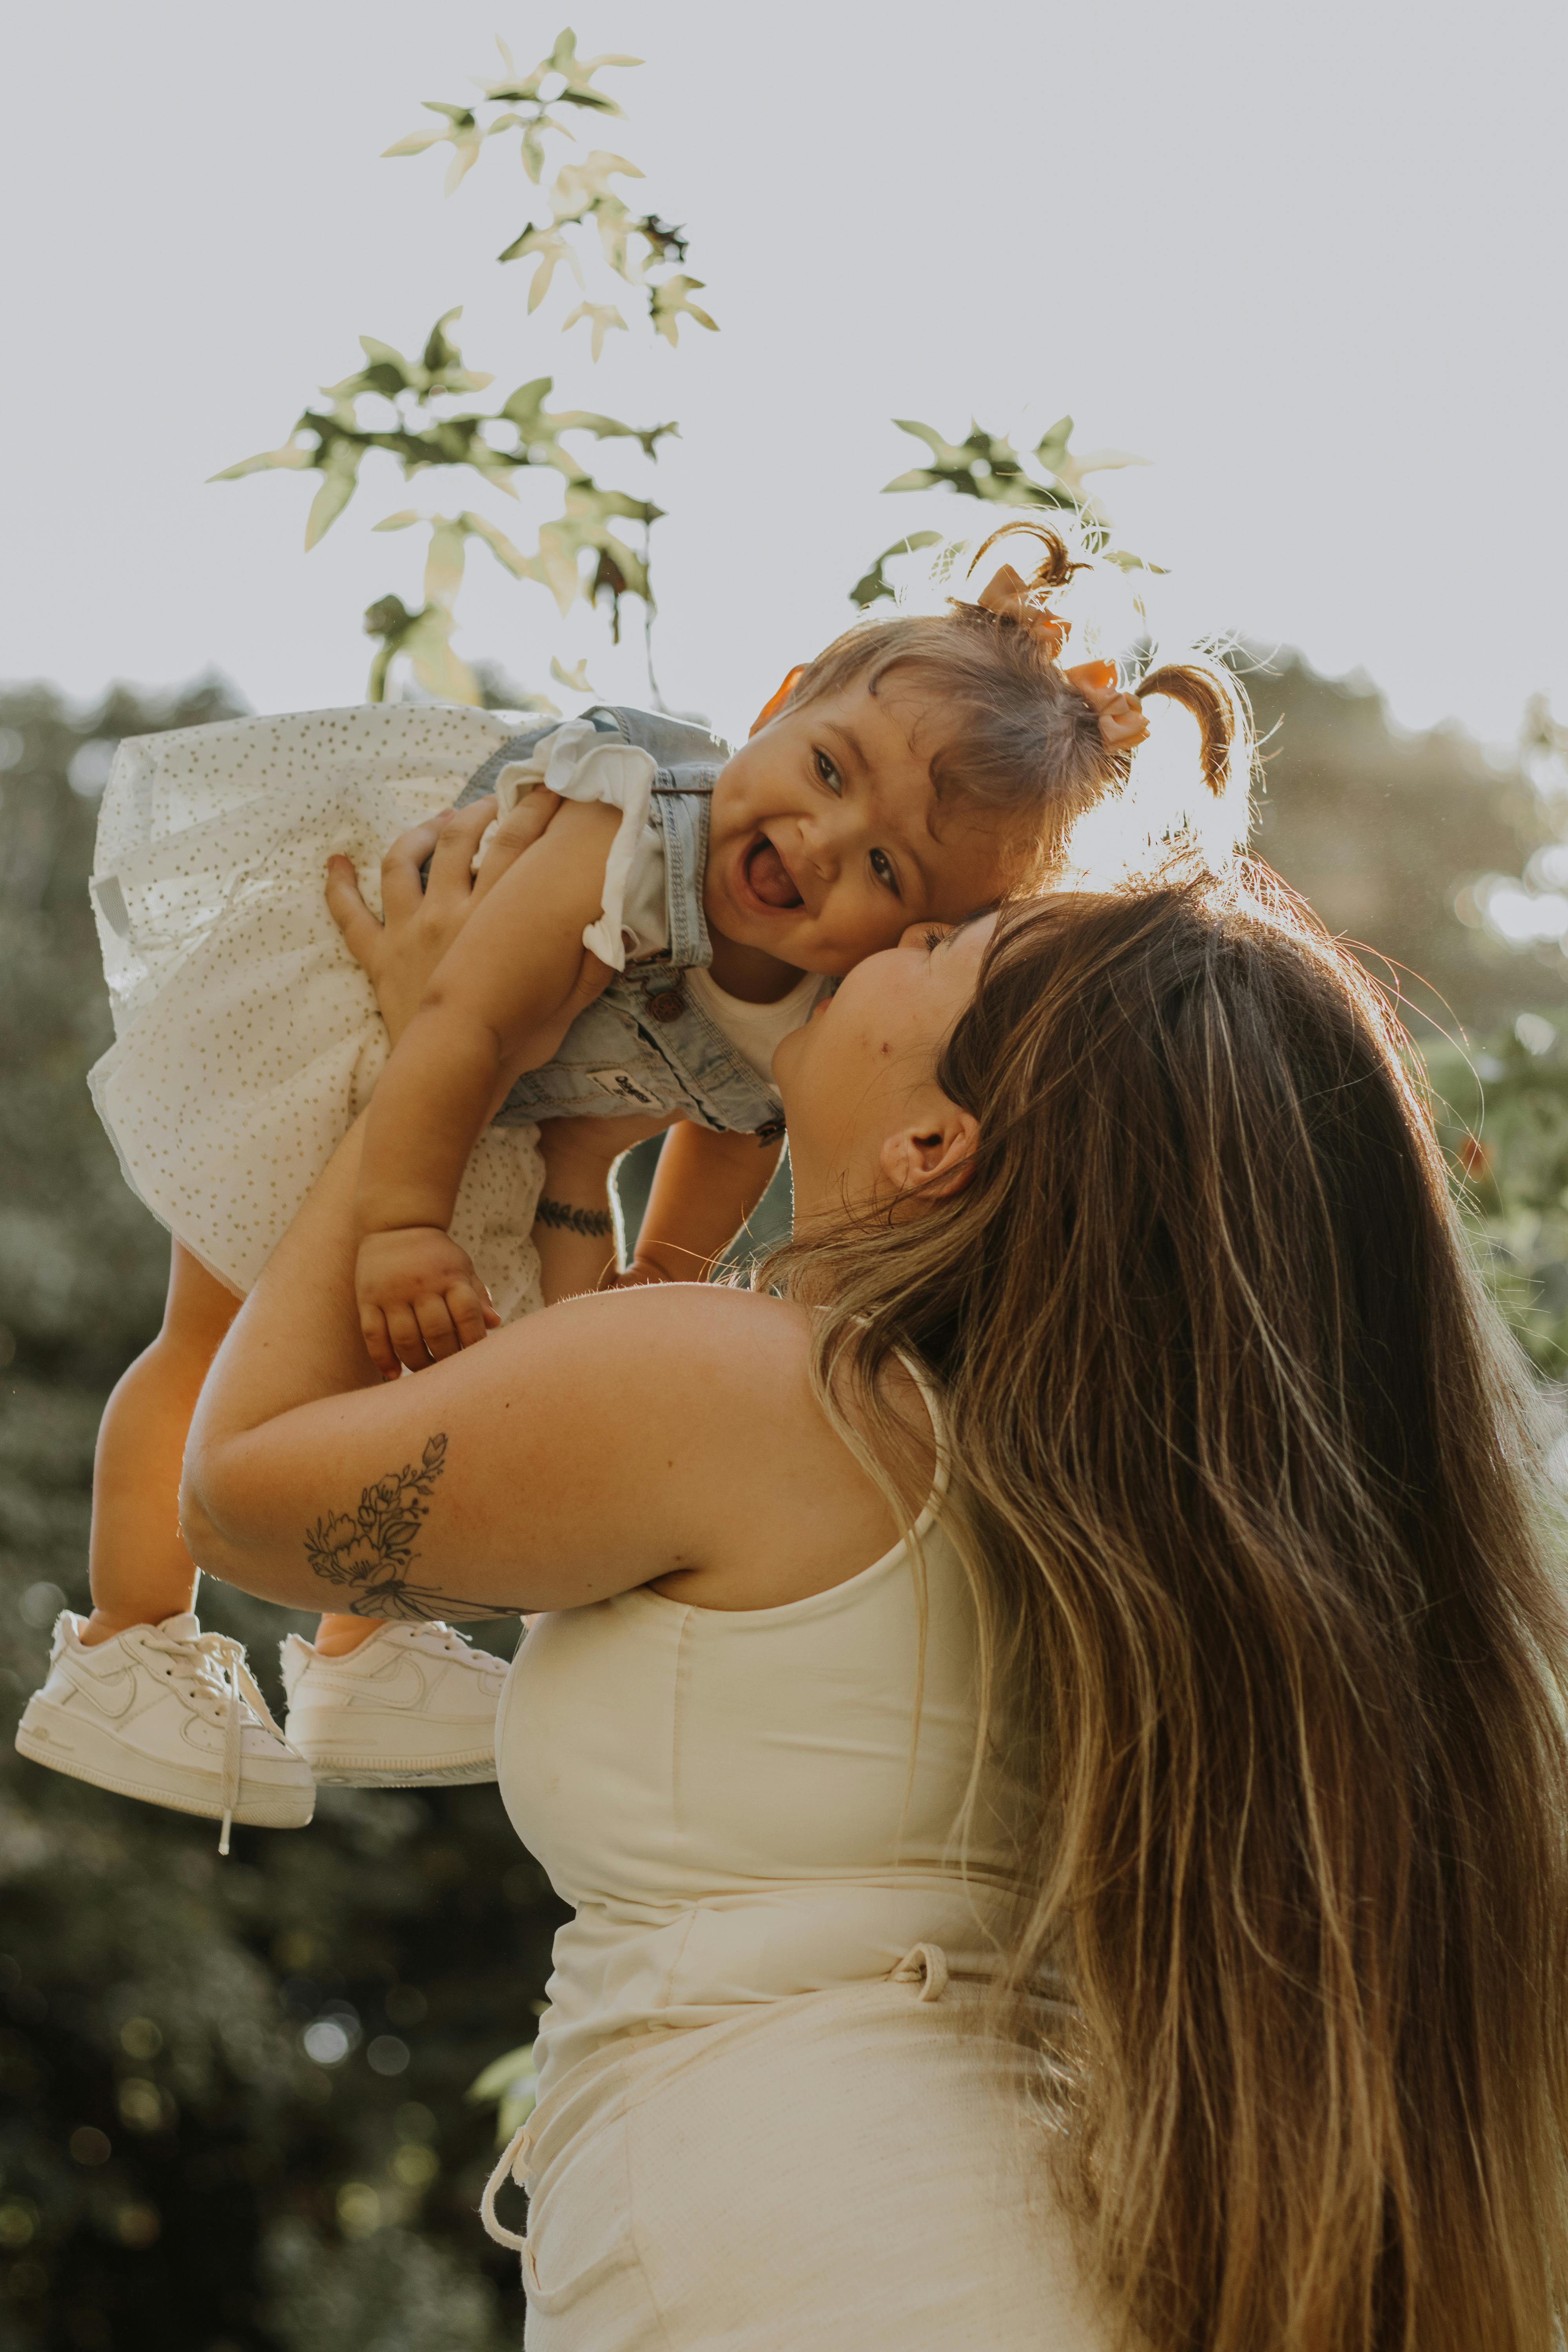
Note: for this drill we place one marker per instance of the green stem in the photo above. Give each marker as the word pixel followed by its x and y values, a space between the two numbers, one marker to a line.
pixel 658 699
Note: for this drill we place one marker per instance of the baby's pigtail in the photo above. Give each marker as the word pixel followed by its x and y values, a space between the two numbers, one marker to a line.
pixel 1205 687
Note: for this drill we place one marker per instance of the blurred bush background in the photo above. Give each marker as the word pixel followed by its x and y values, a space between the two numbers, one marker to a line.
pixel 235 2111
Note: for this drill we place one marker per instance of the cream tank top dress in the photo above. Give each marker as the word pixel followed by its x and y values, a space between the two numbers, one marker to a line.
pixel 765 2117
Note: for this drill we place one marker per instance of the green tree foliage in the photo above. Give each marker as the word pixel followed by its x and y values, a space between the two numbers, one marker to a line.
pixel 420 413
pixel 1503 1114
pixel 233 2113
pixel 1398 841
pixel 1384 832
pixel 986 467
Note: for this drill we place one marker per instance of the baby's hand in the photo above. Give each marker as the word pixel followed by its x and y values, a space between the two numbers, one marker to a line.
pixel 419 1298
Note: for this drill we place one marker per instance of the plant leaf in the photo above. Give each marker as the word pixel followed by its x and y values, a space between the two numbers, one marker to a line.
pixel 444 561
pixel 438 670
pixel 875 586
pixel 340 475
pixel 1126 562
pixel 500 547
pixel 549 249
pixel 291 457
pixel 501 2073
pixel 669 299
pixel 604 317
pixel 580 186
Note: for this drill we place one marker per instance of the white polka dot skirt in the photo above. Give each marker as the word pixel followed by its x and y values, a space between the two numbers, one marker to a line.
pixel 247 1037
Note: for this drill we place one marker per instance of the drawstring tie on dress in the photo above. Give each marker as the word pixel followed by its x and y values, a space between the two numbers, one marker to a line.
pixel 509 2165
pixel 924 1965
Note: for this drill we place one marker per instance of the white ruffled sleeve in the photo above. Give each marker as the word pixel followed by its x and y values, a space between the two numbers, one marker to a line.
pixel 581 764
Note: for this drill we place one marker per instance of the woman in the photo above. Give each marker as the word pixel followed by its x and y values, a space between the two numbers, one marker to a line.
pixel 1203 1743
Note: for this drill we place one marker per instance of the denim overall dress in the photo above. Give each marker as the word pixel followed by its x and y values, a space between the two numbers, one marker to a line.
pixel 644 1046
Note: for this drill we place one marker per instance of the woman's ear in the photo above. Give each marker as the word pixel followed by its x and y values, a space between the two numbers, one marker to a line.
pixel 776 703
pixel 934 1161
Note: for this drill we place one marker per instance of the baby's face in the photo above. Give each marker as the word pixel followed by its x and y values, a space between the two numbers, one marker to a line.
pixel 822 849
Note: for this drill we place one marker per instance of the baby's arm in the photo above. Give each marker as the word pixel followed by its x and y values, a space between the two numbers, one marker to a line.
pixel 517 959
pixel 705 1187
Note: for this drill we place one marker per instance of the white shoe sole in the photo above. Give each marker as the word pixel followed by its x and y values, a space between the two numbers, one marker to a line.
pixel 335 1768
pixel 84 1753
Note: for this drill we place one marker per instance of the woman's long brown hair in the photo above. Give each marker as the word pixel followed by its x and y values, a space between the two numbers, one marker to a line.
pixel 1246 1486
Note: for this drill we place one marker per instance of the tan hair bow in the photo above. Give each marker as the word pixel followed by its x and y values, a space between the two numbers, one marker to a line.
pixel 1120 715
pixel 1007 596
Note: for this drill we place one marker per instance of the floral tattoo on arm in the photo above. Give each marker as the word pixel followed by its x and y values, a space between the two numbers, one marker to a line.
pixel 372 1548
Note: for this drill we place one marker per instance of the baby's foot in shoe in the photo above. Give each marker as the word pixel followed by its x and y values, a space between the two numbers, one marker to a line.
pixel 171 1714
pixel 410 1706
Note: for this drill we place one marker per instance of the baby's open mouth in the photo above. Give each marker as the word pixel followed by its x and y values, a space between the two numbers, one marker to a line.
pixel 769 878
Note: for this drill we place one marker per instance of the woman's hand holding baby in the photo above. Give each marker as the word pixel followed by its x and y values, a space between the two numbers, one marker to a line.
pixel 419 1298
pixel 400 951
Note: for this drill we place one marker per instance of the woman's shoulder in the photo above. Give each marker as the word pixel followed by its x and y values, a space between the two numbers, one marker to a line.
pixel 725 1372
pixel 705 1327
pixel 746 1356
pixel 713 1388
pixel 721 1330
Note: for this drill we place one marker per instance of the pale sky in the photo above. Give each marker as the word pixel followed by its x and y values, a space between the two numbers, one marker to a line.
pixel 1306 260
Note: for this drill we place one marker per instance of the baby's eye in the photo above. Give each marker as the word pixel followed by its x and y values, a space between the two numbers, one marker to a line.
pixel 882 867
pixel 828 773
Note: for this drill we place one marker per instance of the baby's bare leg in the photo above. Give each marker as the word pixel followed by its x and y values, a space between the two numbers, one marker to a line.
pixel 573 1231
pixel 141 1571
pixel 337 1634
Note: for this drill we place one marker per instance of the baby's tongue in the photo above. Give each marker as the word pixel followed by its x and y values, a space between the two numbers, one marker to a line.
pixel 768 877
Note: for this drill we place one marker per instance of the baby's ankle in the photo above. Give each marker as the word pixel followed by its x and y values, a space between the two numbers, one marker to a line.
pixel 337 1635
pixel 103 1624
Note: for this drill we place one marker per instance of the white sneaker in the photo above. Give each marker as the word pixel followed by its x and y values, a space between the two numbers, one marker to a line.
pixel 171 1714
pixel 410 1706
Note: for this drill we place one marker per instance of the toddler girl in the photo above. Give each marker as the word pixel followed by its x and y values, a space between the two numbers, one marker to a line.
pixel 917 770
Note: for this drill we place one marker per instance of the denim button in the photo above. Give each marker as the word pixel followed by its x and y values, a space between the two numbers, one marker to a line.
pixel 669 1004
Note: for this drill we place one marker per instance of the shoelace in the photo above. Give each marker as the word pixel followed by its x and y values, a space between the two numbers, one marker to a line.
pixel 217 1664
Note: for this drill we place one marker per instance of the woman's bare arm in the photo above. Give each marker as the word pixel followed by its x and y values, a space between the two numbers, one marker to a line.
pixel 671 1434
pixel 665 1432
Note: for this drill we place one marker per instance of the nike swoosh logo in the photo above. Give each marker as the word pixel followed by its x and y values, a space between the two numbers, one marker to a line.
pixel 406 1687
pixel 112 1692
